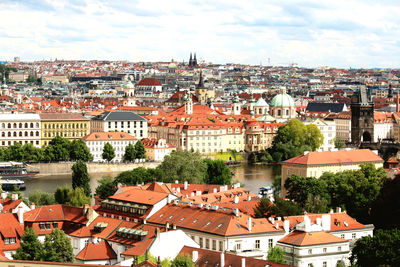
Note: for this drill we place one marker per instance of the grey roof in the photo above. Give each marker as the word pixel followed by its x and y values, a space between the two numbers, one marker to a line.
pixel 325 107
pixel 119 116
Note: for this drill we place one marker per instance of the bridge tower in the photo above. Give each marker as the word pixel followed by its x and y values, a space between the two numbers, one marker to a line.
pixel 362 118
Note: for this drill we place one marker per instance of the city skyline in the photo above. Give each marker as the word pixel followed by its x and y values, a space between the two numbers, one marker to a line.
pixel 333 33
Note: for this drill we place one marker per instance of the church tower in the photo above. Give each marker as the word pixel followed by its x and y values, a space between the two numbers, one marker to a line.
pixel 194 60
pixel 129 95
pixel 190 60
pixel 236 106
pixel 362 118
pixel 188 103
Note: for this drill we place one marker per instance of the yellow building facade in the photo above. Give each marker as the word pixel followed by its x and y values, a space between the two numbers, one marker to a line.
pixel 71 126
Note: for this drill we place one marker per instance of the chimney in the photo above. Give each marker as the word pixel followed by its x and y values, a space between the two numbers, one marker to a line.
pixel 215 190
pixel 249 223
pixel 176 181
pixel 3 195
pixel 222 259
pixel 85 209
pixel 277 226
pixel 326 222
pixel 286 226
pixel 236 199
pixel 221 188
pixel 198 193
pixel 166 227
pixel 236 212
pixel 14 197
pixel 178 190
pixel 307 224
pixel 243 262
pixel 33 206
pixel 174 226
pixel 20 215
pixel 338 209
pixel 248 197
pixel 185 185
pixel 157 232
pixel 144 221
pixel 237 185
pixel 195 255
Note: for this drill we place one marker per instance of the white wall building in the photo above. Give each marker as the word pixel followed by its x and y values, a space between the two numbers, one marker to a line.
pixel 20 128
pixel 118 140
pixel 328 130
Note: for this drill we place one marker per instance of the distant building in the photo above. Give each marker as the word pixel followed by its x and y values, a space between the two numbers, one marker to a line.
pixel 20 128
pixel 157 149
pixel 282 107
pixel 362 119
pixel 328 130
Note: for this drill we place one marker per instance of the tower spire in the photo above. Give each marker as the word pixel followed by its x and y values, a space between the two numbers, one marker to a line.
pixel 201 81
pixel 194 60
pixel 190 60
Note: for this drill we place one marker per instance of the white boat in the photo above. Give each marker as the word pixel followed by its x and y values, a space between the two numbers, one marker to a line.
pixel 11 184
pixel 15 170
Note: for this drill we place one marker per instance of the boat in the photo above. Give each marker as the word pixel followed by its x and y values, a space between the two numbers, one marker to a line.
pixel 266 192
pixel 11 184
pixel 15 170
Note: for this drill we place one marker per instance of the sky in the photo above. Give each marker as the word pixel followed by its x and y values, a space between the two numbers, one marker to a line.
pixel 314 33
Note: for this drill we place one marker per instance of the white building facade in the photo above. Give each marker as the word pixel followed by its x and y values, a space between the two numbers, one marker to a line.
pixel 20 128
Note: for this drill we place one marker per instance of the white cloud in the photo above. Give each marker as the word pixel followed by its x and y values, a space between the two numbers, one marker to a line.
pixel 338 33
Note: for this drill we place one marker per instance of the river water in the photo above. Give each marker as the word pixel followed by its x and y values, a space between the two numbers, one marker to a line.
pixel 252 176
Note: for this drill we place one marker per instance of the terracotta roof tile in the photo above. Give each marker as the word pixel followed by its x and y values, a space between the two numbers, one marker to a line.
pixel 100 251
pixel 299 238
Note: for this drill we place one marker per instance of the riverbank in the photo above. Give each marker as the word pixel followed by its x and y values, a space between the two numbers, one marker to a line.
pixel 46 169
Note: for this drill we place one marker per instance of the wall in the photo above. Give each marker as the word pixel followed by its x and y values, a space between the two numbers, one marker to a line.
pixel 65 168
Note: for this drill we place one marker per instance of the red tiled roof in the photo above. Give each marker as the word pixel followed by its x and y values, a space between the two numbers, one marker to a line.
pixel 140 196
pixel 9 204
pixel 149 82
pixel 100 251
pixel 208 257
pixel 108 136
pixel 62 116
pixel 299 238
pixel 336 157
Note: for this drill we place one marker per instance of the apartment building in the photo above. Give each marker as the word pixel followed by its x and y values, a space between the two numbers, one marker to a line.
pixel 120 121
pixel 71 126
pixel 20 128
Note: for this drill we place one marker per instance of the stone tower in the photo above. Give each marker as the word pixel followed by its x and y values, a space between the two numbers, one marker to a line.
pixel 362 118
pixel 188 103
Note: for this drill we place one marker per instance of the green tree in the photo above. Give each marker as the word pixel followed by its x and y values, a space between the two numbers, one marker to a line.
pixel 298 188
pixel 383 249
pixel 134 177
pixel 15 152
pixel 57 150
pixel 108 152
pixel 263 208
pixel 106 188
pixel 5 70
pixel 182 261
pixel 80 177
pixel 30 248
pixel 339 142
pixel 57 247
pixel 77 197
pixel 233 154
pixel 61 194
pixel 79 151
pixel 217 172
pixel 252 158
pixel 130 153
pixel 140 150
pixel 294 138
pixel 32 153
pixel 31 79
pixel 281 207
pixel 275 254
pixel 3 156
pixel 316 204
pixel 41 198
pixel 183 166
pixel 385 211
pixel 277 184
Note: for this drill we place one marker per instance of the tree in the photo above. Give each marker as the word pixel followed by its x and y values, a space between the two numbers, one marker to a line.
pixel 383 249
pixel 30 248
pixel 263 208
pixel 31 79
pixel 57 247
pixel 136 176
pixel 316 204
pixel 275 254
pixel 57 150
pixel 217 172
pixel 252 158
pixel 277 185
pixel 284 207
pixel 15 152
pixel 79 151
pixel 108 152
pixel 31 153
pixel 140 150
pixel 106 188
pixel 61 194
pixel 5 70
pixel 233 154
pixel 41 198
pixel 339 142
pixel 385 211
pixel 182 261
pixel 130 153
pixel 294 138
pixel 77 198
pixel 183 166
pixel 80 177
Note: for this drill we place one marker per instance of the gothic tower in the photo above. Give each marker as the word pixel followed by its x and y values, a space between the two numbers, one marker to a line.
pixel 362 118
pixel 194 60
pixel 190 60
pixel 188 103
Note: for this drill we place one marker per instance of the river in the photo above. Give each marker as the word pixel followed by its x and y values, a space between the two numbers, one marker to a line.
pixel 252 176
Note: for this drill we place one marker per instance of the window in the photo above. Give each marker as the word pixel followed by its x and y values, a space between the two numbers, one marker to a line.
pixel 201 242
pixel 353 236
pixel 325 250
pixel 207 243
pixel 238 246
pixel 214 245
pixel 339 248
pixel 41 226
pixel 257 244
pixel 55 224
pixel 47 225
pixel 221 245
pixel 324 264
pixel 310 251
pixel 270 243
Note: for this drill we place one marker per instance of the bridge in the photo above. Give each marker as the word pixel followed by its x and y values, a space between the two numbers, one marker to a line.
pixel 386 148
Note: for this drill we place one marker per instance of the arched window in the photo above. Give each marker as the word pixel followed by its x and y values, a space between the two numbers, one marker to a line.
pixel 20 125
pixel 3 134
pixel 15 134
pixel 15 125
pixel 3 125
pixel 9 125
pixel 26 133
pixel 9 134
pixel 37 133
pixel 20 134
pixel 26 125
pixel 45 126
pixel 31 124
pixel 37 125
pixel 31 133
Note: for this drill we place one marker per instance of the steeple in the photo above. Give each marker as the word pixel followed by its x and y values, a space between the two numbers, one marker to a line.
pixel 194 60
pixel 190 60
pixel 4 84
pixel 390 93
pixel 201 81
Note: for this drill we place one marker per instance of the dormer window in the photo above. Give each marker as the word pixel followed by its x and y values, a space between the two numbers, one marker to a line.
pixel 41 226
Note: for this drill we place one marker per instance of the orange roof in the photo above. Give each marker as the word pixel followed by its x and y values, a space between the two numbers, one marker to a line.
pixel 56 212
pixel 299 238
pixel 9 204
pixel 108 136
pixel 336 157
pixel 149 82
pixel 62 116
pixel 140 196
pixel 100 251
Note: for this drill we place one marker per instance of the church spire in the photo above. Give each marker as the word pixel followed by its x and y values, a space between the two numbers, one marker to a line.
pixel 194 60
pixel 201 81
pixel 190 60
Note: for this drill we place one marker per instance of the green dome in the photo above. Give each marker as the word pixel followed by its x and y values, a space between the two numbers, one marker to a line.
pixel 282 100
